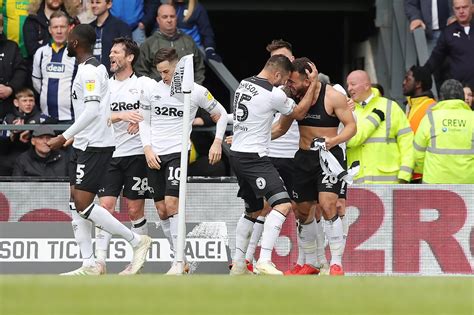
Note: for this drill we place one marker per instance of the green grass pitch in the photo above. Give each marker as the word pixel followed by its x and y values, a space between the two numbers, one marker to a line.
pixel 197 294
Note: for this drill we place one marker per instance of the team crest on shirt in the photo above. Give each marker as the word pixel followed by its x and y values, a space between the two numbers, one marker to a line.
pixel 133 91
pixel 90 85
pixel 261 183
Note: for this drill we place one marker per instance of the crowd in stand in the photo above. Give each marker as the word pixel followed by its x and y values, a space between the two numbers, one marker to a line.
pixel 36 74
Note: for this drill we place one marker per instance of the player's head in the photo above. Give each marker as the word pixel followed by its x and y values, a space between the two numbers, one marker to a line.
pixel 278 68
pixel 359 85
pixel 281 47
pixel 298 81
pixel 451 90
pixel 59 27
pixel 81 40
pixel 165 62
pixel 123 54
pixel 416 81
pixel 24 100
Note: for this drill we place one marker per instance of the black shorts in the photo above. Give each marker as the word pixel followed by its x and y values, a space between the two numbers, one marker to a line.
pixel 286 169
pixel 127 173
pixel 309 179
pixel 258 178
pixel 165 181
pixel 88 168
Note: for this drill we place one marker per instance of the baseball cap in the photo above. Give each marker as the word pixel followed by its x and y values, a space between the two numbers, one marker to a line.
pixel 42 131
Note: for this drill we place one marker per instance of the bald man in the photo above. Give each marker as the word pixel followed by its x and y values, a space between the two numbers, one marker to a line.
pixel 311 184
pixel 384 141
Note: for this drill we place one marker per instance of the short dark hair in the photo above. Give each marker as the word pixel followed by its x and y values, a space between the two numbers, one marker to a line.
pixel 300 65
pixel 85 35
pixel 279 61
pixel 451 90
pixel 422 75
pixel 165 54
pixel 131 48
pixel 277 44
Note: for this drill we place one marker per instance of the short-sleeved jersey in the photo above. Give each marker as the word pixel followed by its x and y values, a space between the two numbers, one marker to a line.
pixel 166 114
pixel 90 86
pixel 286 145
pixel 255 103
pixel 125 96
pixel 53 73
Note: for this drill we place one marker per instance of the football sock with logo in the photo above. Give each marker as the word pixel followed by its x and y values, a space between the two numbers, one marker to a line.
pixel 82 229
pixel 100 216
pixel 256 234
pixel 335 237
pixel 308 242
pixel 271 231
pixel 320 242
pixel 165 225
pixel 174 219
pixel 102 241
pixel 345 231
pixel 243 232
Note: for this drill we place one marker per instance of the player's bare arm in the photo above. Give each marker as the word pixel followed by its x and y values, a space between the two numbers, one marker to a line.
pixel 152 159
pixel 128 116
pixel 344 113
pixel 281 126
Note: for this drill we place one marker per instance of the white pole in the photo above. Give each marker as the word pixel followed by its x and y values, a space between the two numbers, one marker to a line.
pixel 182 183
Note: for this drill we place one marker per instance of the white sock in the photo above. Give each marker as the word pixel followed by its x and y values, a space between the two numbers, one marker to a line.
pixel 345 231
pixel 243 233
pixel 320 242
pixel 165 226
pixel 82 229
pixel 101 217
pixel 140 226
pixel 308 242
pixel 174 232
pixel 271 231
pixel 335 237
pixel 301 257
pixel 256 234
pixel 102 241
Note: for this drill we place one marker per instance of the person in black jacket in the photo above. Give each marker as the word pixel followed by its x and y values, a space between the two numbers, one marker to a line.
pixel 40 160
pixel 107 28
pixel 456 44
pixel 13 72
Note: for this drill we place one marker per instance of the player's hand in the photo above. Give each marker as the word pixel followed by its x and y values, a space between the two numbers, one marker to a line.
pixel 131 116
pixel 56 142
pixel 351 104
pixel 68 142
pixel 152 159
pixel 215 117
pixel 313 75
pixel 25 136
pixel 330 143
pixel 215 152
pixel 228 140
pixel 133 128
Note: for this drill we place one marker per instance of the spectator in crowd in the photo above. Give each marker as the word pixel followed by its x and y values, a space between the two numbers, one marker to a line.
pixel 431 15
pixel 15 142
pixel 138 14
pixel 455 44
pixel 168 35
pixel 107 28
pixel 194 21
pixel 383 148
pixel 80 10
pixel 444 151
pixel 416 87
pixel 15 12
pixel 40 160
pixel 468 95
pixel 35 29
pixel 13 72
pixel 54 70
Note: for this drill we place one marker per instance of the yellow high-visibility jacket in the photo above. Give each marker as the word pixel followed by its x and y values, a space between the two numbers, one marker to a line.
pixel 444 144
pixel 384 149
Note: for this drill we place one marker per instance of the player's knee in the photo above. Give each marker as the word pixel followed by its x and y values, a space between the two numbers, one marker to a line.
pixel 109 206
pixel 135 212
pixel 284 207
